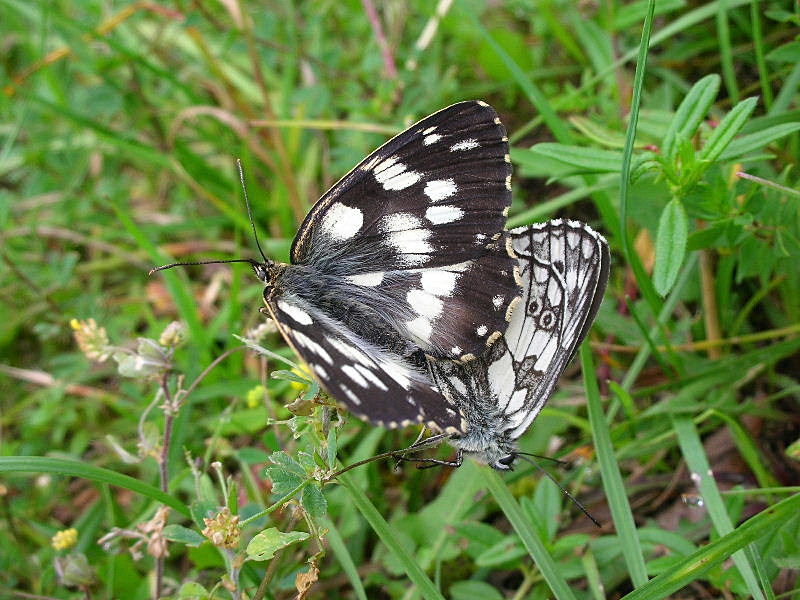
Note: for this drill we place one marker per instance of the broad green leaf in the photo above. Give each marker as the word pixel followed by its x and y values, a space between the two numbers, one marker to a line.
pixel 725 132
pixel 313 500
pixel 265 544
pixel 691 112
pixel 183 535
pixel 281 459
pixel 191 590
pixel 673 231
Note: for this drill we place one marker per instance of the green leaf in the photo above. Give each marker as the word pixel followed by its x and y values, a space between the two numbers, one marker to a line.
pixel 183 535
pixel 290 376
pixel 283 481
pixel 506 552
pixel 673 231
pixel 469 590
pixel 753 141
pixel 283 460
pixel 584 160
pixel 265 544
pixel 691 112
pixel 730 126
pixel 313 500
pixel 191 590
pixel 73 468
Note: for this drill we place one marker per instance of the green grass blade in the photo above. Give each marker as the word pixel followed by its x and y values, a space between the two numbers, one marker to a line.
pixel 726 52
pixel 530 539
pixel 532 91
pixel 613 484
pixel 390 538
pixel 701 474
pixel 73 468
pixel 339 549
pixel 695 565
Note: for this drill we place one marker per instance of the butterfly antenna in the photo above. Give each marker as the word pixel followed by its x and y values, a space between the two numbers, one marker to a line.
pixel 574 500
pixel 204 262
pixel 249 210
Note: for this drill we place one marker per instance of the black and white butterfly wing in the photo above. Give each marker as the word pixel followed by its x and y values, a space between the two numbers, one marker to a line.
pixel 564 270
pixel 374 384
pixel 415 233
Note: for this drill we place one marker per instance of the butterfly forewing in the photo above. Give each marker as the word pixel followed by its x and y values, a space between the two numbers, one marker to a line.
pixel 373 383
pixel 416 230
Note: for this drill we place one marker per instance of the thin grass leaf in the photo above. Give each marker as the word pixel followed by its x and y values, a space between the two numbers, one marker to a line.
pixel 613 485
pixel 673 233
pixel 390 538
pixel 73 468
pixel 726 51
pixel 342 554
pixel 532 542
pixel 584 160
pixel 694 566
pixel 701 474
pixel 755 141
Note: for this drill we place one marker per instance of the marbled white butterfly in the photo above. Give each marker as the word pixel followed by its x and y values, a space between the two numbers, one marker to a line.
pixel 405 257
pixel 564 270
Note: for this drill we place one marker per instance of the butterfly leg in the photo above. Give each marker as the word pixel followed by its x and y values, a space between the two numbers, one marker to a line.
pixel 427 463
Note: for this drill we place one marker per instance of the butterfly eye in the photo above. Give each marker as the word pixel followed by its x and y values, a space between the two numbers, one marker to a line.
pixel 507 461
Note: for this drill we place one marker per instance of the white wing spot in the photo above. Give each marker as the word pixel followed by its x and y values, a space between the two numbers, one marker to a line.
pixel 351 372
pixel 349 393
pixel 431 139
pixel 400 222
pixel 392 175
pixel 297 313
pixel 482 330
pixel 456 350
pixel 429 130
pixel 367 279
pixel 398 373
pixel 465 145
pixel 439 283
pixel 443 214
pixel 439 189
pixel 342 222
pixel 349 351
pixel 421 328
pixel 424 304
pixel 306 342
pixel 370 375
pixel 497 301
pixel 319 370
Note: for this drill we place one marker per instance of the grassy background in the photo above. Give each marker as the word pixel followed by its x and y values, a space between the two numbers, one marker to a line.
pixel 121 123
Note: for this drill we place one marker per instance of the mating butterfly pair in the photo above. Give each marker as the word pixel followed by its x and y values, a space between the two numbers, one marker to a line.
pixel 402 291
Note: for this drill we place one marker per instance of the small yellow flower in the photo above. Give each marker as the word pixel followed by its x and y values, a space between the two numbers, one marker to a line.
pixel 255 396
pixel 301 371
pixel 92 339
pixel 65 539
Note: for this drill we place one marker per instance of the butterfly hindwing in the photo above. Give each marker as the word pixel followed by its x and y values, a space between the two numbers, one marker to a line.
pixel 416 229
pixel 563 270
pixel 374 384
